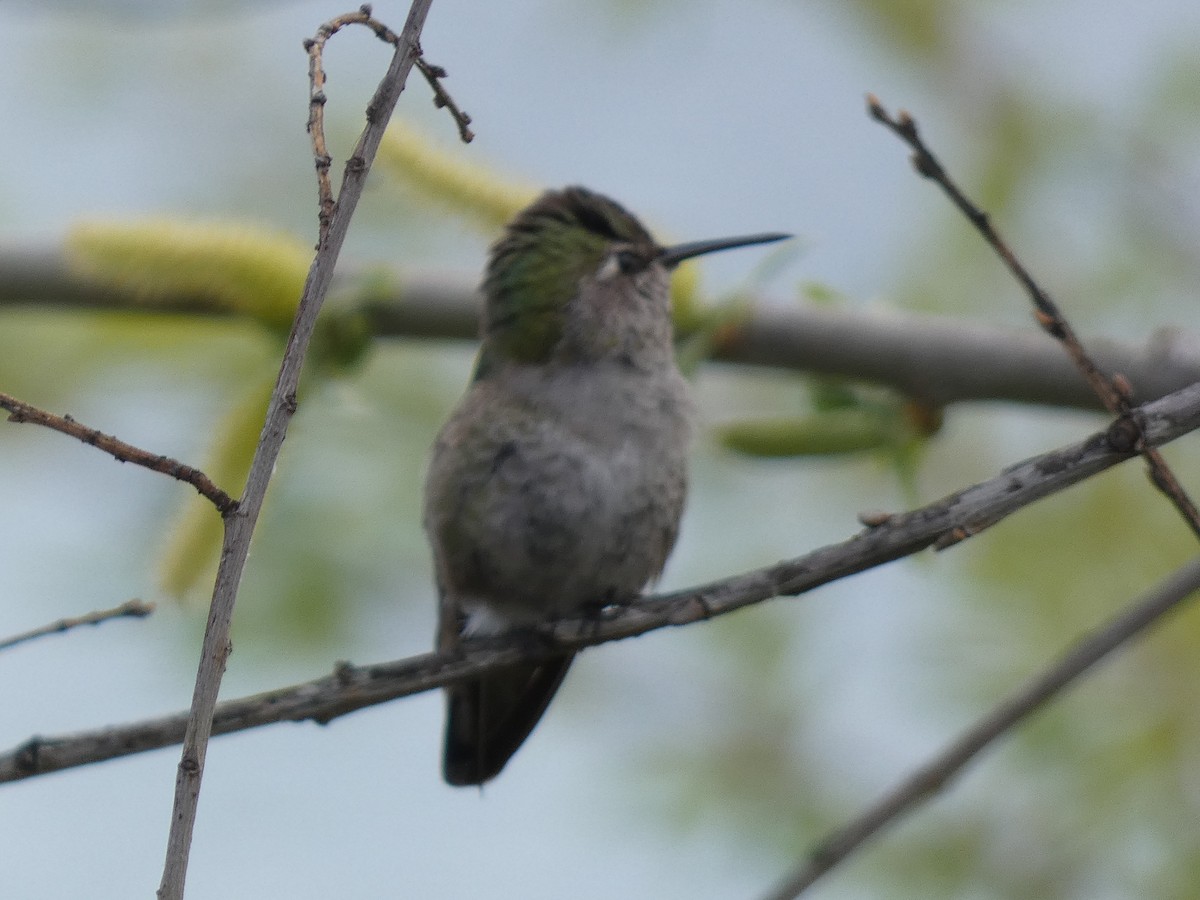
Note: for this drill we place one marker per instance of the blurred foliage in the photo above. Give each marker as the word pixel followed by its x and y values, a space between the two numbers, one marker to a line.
pixel 820 434
pixel 745 760
pixel 447 177
pixel 236 268
pixel 189 559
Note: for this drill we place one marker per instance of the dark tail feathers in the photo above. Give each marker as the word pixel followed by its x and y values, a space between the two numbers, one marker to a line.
pixel 489 718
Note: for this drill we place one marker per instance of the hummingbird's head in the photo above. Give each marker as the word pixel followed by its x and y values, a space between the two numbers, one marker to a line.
pixel 536 269
pixel 576 275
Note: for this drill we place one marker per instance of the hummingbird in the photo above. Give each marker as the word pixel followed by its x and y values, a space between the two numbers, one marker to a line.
pixel 556 486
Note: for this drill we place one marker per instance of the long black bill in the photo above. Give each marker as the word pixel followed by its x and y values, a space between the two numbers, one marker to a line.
pixel 673 256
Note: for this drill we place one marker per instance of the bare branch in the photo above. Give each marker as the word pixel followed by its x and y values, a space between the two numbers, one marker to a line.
pixel 315 47
pixel 932 777
pixel 135 608
pixel 939 524
pixel 240 526
pixel 937 359
pixel 1047 313
pixel 1124 434
pixel 1114 391
pixel 442 99
pixel 20 411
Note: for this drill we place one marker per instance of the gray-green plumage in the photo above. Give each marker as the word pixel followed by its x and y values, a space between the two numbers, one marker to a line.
pixel 557 485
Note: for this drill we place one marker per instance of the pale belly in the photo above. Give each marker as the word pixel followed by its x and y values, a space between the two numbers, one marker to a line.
pixel 560 507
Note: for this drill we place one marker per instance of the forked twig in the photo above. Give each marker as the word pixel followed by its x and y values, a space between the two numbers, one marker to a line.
pixel 1125 434
pixel 1114 391
pixel 19 411
pixel 315 47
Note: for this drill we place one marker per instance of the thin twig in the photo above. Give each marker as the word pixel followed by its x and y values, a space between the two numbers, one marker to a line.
pixel 240 526
pixel 933 776
pixel 317 98
pixel 19 411
pixel 315 47
pixel 1114 391
pixel 442 99
pixel 135 608
pixel 891 537
pixel 1125 433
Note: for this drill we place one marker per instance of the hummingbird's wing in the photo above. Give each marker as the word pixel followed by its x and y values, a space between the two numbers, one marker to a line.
pixel 489 718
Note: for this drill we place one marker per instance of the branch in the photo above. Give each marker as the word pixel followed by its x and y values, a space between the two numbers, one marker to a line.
pixel 929 779
pixel 315 47
pixel 442 99
pixel 240 525
pixel 1047 315
pixel 120 451
pixel 1114 391
pixel 133 608
pixel 939 359
pixel 1125 432
pixel 939 524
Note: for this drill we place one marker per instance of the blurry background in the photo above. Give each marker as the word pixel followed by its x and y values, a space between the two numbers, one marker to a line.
pixel 699 762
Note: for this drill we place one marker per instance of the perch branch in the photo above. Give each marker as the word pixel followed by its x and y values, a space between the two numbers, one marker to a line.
pixel 350 688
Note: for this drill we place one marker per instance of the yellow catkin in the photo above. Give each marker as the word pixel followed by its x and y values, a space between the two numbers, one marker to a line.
pixel 476 193
pixel 235 268
pixel 195 537
pixel 821 434
pixel 479 194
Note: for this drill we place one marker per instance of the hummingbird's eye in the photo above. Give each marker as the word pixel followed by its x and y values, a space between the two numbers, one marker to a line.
pixel 622 262
pixel 630 262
